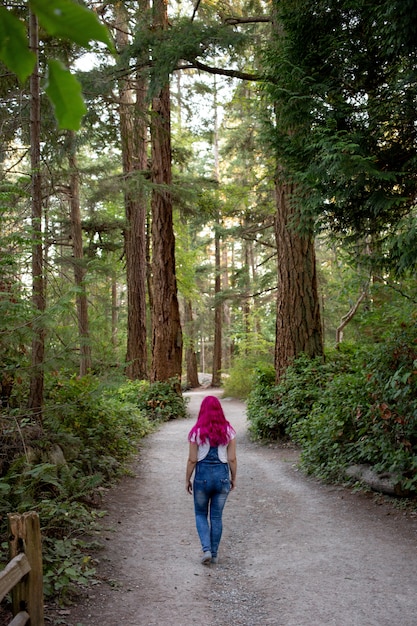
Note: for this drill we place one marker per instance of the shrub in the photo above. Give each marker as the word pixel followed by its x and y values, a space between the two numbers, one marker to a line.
pixel 98 429
pixel 242 377
pixel 105 423
pixel 161 401
pixel 274 408
pixel 328 434
pixel 360 406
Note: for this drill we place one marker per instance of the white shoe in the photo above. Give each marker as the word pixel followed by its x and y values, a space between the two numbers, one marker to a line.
pixel 206 558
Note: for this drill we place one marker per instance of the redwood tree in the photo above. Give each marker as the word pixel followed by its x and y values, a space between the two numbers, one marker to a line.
pixel 166 325
pixel 298 321
pixel 133 131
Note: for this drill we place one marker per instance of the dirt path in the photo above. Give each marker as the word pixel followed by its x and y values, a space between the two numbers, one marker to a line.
pixel 293 553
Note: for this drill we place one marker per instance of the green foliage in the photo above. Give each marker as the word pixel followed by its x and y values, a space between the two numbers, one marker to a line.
pixel 105 423
pixel 358 407
pixel 274 408
pixel 328 431
pixel 69 20
pixel 161 401
pixel 239 381
pixel 64 91
pixel 185 41
pixel 14 51
pixel 64 19
pixel 68 565
pixel 342 82
pixel 90 431
pixel 243 375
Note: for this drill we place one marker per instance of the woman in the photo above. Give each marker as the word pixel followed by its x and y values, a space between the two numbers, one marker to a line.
pixel 212 454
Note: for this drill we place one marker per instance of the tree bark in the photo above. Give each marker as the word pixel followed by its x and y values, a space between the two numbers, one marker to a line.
pixel 166 325
pixel 38 286
pixel 218 313
pixel 298 323
pixel 218 303
pixel 79 269
pixel 190 355
pixel 134 154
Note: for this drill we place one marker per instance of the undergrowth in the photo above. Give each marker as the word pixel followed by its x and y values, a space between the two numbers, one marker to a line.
pixel 89 433
pixel 359 406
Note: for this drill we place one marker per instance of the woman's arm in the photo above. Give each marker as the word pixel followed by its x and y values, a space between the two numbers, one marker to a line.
pixel 232 460
pixel 191 463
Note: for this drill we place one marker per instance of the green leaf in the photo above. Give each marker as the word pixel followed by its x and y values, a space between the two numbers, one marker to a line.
pixel 64 91
pixel 69 20
pixel 14 51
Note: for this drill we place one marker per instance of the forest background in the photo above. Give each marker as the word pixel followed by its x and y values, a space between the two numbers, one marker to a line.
pixel 218 187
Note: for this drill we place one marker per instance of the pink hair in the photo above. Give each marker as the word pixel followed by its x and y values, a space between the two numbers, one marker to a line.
pixel 211 425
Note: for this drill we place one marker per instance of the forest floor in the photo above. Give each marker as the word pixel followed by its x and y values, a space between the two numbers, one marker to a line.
pixel 294 552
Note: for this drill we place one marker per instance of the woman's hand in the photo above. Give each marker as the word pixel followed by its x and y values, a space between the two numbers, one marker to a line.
pixel 189 487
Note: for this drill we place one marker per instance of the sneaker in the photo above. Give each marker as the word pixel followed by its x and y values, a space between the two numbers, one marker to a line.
pixel 214 559
pixel 206 558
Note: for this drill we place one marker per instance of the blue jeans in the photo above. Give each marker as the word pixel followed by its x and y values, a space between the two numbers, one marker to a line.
pixel 211 488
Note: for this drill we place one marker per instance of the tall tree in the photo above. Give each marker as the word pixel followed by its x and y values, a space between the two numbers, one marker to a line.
pixel 38 287
pixel 134 153
pixel 79 267
pixel 348 71
pixel 298 322
pixel 166 324
pixel 218 301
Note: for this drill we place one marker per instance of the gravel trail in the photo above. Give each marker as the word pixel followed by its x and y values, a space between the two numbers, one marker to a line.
pixel 294 552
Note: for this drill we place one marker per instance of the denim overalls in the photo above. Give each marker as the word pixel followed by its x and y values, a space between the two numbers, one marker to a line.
pixel 211 488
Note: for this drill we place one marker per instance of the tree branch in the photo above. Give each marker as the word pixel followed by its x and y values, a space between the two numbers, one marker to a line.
pixel 346 318
pixel 197 4
pixel 232 21
pixel 197 65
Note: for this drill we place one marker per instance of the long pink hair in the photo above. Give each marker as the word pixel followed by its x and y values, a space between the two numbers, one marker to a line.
pixel 211 424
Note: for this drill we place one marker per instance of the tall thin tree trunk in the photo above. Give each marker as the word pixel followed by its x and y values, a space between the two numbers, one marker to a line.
pixel 166 325
pixel 226 357
pixel 79 269
pixel 218 312
pixel 114 311
pixel 133 136
pixel 190 355
pixel 298 323
pixel 189 325
pixel 38 287
pixel 246 305
pixel 218 303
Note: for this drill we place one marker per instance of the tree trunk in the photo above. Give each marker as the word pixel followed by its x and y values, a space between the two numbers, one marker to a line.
pixel 218 313
pixel 166 325
pixel 298 323
pixel 38 287
pixel 218 304
pixel 79 269
pixel 133 140
pixel 226 348
pixel 114 312
pixel 190 355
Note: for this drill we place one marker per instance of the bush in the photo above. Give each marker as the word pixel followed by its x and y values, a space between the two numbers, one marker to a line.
pixel 328 434
pixel 360 406
pixel 273 408
pixel 98 428
pixel 241 378
pixel 161 401
pixel 105 422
